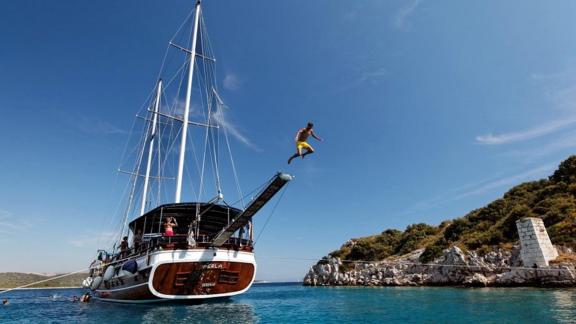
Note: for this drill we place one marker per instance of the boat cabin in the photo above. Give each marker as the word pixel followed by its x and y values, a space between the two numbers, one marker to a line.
pixel 197 225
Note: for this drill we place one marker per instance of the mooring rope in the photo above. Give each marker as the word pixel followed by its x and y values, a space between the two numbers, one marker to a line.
pixel 480 267
pixel 385 263
pixel 45 280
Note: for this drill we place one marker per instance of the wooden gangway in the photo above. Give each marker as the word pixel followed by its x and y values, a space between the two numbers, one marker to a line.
pixel 277 182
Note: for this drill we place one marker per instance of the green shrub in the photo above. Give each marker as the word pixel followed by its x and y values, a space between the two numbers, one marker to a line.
pixel 566 171
pixel 458 227
pixel 413 236
pixel 433 251
pixel 553 199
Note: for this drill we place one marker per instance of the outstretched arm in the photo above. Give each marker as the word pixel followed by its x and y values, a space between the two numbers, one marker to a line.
pixel 316 137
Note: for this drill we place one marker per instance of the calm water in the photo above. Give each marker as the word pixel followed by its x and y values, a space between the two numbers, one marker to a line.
pixel 292 303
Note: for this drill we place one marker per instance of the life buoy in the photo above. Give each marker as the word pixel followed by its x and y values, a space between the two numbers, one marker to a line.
pixel 87 282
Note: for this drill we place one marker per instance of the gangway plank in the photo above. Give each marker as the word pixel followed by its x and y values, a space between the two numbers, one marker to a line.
pixel 255 205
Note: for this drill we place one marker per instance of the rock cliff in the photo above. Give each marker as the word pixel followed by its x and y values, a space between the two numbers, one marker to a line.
pixel 423 254
pixel 454 267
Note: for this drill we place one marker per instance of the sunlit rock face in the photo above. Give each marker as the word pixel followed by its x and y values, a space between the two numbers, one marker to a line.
pixel 454 267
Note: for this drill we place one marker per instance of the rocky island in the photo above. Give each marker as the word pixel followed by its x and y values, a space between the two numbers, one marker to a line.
pixel 525 238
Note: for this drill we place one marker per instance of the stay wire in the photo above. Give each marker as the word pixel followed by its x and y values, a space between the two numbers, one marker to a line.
pixel 270 216
pixel 391 263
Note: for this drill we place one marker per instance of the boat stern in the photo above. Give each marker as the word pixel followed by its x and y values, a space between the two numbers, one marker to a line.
pixel 185 277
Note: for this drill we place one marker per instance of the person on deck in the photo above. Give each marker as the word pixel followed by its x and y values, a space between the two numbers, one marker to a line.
pixel 241 235
pixel 169 224
pixel 124 247
pixel 137 241
pixel 301 137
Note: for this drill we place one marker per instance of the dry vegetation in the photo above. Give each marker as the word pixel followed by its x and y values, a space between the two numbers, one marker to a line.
pixel 17 279
pixel 486 228
pixel 564 258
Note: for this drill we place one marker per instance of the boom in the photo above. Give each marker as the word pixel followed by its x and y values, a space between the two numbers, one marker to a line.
pixel 279 180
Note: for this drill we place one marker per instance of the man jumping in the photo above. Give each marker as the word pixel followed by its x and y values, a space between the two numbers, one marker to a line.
pixel 301 138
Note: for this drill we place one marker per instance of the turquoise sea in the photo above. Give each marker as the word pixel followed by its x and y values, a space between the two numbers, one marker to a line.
pixel 292 303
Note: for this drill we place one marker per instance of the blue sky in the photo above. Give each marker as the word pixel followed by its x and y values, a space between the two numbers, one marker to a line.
pixel 428 110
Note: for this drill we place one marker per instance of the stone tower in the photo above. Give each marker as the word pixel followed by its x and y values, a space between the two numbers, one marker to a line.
pixel 535 245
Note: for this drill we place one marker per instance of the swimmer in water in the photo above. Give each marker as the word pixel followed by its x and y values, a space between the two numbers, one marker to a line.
pixel 85 298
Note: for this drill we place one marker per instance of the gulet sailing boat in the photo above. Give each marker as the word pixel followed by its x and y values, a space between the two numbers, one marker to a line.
pixel 176 250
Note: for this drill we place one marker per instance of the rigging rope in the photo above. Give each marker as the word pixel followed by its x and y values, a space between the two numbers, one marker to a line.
pixel 386 263
pixel 212 110
pixel 45 280
pixel 212 100
pixel 271 213
pixel 347 261
pixel 234 167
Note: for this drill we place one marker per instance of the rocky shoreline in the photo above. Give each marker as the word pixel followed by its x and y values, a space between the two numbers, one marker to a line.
pixel 499 268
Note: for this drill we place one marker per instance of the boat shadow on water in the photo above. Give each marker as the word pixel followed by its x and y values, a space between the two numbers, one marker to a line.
pixel 211 311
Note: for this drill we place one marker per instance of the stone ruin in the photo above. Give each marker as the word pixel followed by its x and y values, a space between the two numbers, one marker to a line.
pixel 536 249
pixel 527 264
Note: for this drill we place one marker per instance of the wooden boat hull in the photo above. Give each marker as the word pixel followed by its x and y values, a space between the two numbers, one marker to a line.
pixel 183 275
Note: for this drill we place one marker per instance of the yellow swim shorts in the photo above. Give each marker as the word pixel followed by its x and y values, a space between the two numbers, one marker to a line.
pixel 302 144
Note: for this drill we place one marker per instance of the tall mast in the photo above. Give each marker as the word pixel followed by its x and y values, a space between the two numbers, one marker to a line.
pixel 151 147
pixel 187 106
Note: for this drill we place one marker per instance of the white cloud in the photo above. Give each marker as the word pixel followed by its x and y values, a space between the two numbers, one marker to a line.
pixel 10 224
pixel 401 19
pixel 526 134
pixel 232 130
pixel 231 82
pixel 533 174
pixel 7 223
pixel 373 74
pixel 568 140
pixel 561 75
pixel 482 187
pixel 370 76
pixel 562 96
pixel 94 126
pixel 92 239
pixel 559 87
pixel 179 106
